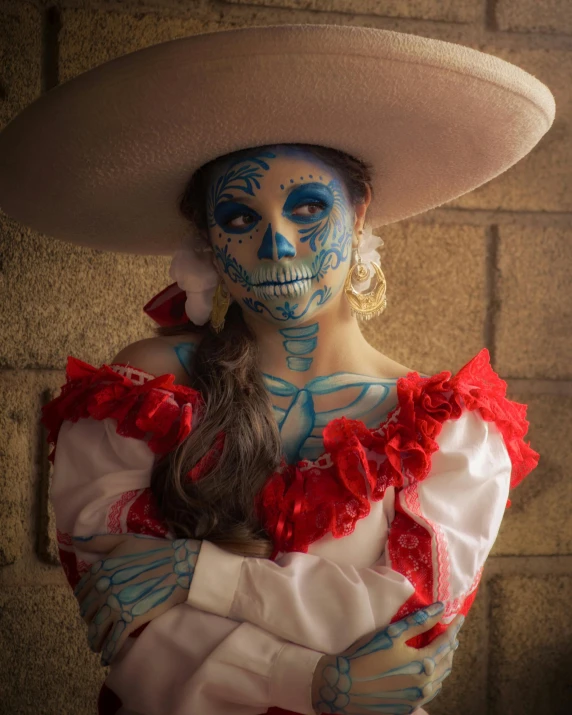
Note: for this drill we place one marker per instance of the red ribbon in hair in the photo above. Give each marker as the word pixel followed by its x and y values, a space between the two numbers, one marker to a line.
pixel 167 308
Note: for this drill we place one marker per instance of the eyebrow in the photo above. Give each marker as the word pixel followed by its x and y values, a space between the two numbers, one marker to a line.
pixel 247 198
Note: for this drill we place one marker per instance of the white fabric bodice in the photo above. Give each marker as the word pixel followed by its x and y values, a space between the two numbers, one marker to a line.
pixel 274 620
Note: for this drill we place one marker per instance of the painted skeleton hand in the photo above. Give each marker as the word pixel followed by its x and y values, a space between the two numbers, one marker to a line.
pixel 140 579
pixel 380 674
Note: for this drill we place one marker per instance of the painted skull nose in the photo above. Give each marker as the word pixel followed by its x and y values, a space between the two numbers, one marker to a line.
pixel 275 246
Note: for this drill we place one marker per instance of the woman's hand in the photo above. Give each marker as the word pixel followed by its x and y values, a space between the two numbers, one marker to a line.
pixel 140 579
pixel 380 674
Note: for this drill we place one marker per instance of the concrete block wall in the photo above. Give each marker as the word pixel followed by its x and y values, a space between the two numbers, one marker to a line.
pixel 489 269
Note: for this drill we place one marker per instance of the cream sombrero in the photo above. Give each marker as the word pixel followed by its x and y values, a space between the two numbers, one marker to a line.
pixel 102 159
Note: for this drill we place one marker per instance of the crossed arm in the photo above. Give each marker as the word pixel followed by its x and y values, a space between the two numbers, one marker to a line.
pixel 471 470
pixel 183 654
pixel 249 665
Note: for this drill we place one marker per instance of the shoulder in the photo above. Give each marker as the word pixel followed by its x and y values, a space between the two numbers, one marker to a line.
pixel 161 355
pixel 385 367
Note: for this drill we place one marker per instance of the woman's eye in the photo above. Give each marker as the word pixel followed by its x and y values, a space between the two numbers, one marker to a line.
pixel 232 222
pixel 313 207
pixel 308 208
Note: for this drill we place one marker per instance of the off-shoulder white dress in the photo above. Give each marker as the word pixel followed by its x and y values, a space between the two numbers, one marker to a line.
pixel 385 522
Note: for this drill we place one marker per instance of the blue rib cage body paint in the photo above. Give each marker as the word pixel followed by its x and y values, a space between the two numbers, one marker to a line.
pixel 301 425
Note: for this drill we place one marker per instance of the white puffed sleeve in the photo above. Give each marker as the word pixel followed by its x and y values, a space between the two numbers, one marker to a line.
pixel 457 510
pixel 184 660
pixel 446 525
pixel 99 483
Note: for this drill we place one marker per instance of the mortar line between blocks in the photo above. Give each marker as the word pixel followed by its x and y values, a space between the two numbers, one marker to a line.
pixel 492 276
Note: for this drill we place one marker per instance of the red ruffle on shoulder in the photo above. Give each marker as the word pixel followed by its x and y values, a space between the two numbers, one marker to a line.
pixel 303 502
pixel 156 410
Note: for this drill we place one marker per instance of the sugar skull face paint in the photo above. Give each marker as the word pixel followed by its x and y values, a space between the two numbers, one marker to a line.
pixel 281 225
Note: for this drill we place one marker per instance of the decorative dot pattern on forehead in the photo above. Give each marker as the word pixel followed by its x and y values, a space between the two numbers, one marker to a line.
pixel 303 229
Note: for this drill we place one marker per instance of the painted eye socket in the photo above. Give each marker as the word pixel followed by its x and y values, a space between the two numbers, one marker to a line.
pixel 231 223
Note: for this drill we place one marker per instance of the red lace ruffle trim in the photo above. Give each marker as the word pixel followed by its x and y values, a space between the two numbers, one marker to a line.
pixel 305 501
pixel 158 410
pixel 301 503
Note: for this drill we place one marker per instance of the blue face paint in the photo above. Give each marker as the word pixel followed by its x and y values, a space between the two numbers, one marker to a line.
pixel 283 247
pixel 313 193
pixel 332 223
pixel 241 175
pixel 233 269
pixel 286 311
pixel 227 211
pixel 321 232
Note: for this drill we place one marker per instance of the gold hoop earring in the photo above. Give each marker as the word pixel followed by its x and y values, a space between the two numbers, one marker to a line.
pixel 221 301
pixel 367 304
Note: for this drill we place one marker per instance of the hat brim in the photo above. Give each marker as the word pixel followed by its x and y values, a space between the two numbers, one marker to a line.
pixel 103 159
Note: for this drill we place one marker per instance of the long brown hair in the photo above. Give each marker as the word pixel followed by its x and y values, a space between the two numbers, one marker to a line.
pixel 220 506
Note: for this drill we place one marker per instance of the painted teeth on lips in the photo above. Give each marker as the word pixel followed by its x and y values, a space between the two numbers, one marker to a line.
pixel 290 274
pixel 276 290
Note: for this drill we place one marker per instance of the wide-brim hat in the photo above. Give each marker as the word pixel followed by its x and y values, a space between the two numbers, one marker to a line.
pixel 103 159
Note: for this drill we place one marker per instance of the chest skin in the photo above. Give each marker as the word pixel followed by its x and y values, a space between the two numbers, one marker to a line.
pixel 302 412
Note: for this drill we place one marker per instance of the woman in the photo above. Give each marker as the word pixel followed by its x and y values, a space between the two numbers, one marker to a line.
pixel 365 519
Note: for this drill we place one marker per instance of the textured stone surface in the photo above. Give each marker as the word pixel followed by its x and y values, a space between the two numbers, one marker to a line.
pixel 70 300
pixel 45 663
pixel 542 180
pixel 84 302
pixel 539 520
pixel 57 299
pixel 450 11
pixel 47 541
pixel 22 446
pixel 534 15
pixel 18 409
pixel 436 295
pixel 530 645
pixel 20 57
pixel 464 690
pixel 533 336
pixel 90 37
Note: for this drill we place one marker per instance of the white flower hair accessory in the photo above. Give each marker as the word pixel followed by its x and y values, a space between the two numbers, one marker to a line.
pixel 368 246
pixel 194 273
